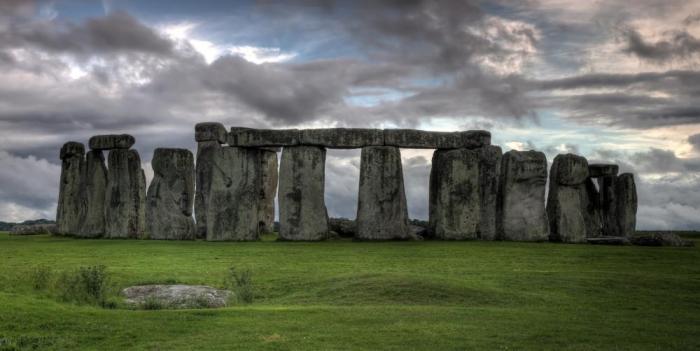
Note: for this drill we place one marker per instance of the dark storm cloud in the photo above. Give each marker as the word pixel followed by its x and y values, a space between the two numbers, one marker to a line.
pixel 677 45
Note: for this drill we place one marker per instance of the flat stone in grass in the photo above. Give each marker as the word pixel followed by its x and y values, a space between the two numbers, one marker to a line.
pixel 659 239
pixel 609 240
pixel 175 296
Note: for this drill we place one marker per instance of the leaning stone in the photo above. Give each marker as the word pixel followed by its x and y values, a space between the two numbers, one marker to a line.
pixel 303 214
pixel 266 214
pixel 600 169
pixel 455 199
pixel 609 240
pixel 248 137
pixel 111 141
pixel 659 239
pixel 95 187
pixel 210 131
pixel 626 207
pixel 381 211
pixel 420 139
pixel 234 193
pixel 125 196
pixel 522 215
pixel 171 195
pixel 342 138
pixel 70 196
pixel 205 163
pixel 176 296
pixel 568 199
pixel 489 174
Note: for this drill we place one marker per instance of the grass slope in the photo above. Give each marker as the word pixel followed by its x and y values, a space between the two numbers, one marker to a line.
pixel 343 295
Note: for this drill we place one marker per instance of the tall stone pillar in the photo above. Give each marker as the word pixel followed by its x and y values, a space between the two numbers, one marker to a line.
pixel 568 201
pixel 171 195
pixel 608 204
pixel 209 137
pixel 489 178
pixel 521 211
pixel 234 194
pixel 626 194
pixel 268 157
pixel 70 196
pixel 455 196
pixel 381 210
pixel 303 214
pixel 126 195
pixel 93 224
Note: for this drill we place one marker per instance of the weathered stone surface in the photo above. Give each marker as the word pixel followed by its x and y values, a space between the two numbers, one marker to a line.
pixel 210 131
pixel 381 210
pixel 303 214
pixel 33 229
pixel 204 168
pixel 95 188
pixel 626 207
pixel 592 212
pixel 567 203
pixel 342 138
pixel 521 212
pixel 248 137
pixel 125 197
pixel 171 195
pixel 176 296
pixel 346 228
pixel 111 141
pixel 420 139
pixel 266 215
pixel 659 239
pixel 489 177
pixel 236 184
pixel 454 206
pixel 609 240
pixel 607 203
pixel 600 169
pixel 70 196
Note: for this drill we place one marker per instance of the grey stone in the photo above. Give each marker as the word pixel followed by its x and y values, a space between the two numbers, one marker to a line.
pixel 607 203
pixel 266 205
pixel 602 169
pixel 111 141
pixel 609 240
pixel 210 131
pixel 342 138
pixel 303 214
pixel 171 195
pixel 659 239
pixel 70 195
pixel 33 229
pixel 381 210
pixel 568 201
pixel 570 169
pixel 248 137
pixel 176 296
pixel 521 211
pixel 489 177
pixel 234 193
pixel 454 206
pixel 420 139
pixel 125 196
pixel 592 212
pixel 346 228
pixel 95 188
pixel 204 168
pixel 626 207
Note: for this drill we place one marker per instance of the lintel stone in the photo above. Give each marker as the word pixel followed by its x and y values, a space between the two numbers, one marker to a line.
pixel 111 141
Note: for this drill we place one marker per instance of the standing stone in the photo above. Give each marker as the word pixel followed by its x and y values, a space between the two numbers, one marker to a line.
pixel 521 212
pixel 607 203
pixel 455 195
pixel 303 214
pixel 489 177
pixel 125 196
pixel 266 214
pixel 626 193
pixel 381 210
pixel 592 209
pixel 171 195
pixel 234 193
pixel 70 196
pixel 568 201
pixel 95 188
pixel 210 131
pixel 205 163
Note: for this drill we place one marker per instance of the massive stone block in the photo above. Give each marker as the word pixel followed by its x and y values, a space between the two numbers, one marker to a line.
pixel 381 210
pixel 454 205
pixel 420 139
pixel 568 201
pixel 596 170
pixel 607 203
pixel 125 196
pixel 70 195
pixel 489 177
pixel 266 215
pixel 626 194
pixel 521 211
pixel 95 187
pixel 592 209
pixel 204 169
pixel 234 193
pixel 171 195
pixel 248 137
pixel 210 131
pixel 342 138
pixel 111 141
pixel 303 214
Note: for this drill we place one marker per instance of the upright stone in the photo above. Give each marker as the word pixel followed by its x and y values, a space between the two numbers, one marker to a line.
pixel 266 214
pixel 93 224
pixel 607 203
pixel 626 193
pixel 171 195
pixel 489 176
pixel 381 210
pixel 234 193
pixel 70 195
pixel 455 196
pixel 303 214
pixel 521 211
pixel 125 196
pixel 209 137
pixel 567 203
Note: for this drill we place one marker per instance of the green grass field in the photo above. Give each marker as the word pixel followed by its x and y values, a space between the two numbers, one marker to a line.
pixel 344 295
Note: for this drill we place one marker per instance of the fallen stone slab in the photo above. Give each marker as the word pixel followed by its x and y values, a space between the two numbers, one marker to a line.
pixel 175 296
pixel 609 240
pixel 69 212
pixel 342 138
pixel 111 141
pixel 421 139
pixel 33 229
pixel 210 131
pixel 249 137
pixel 602 169
pixel 659 239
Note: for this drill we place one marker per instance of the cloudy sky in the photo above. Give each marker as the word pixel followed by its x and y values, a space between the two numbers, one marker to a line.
pixel 614 81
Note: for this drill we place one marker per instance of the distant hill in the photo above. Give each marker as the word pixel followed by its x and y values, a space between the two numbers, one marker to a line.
pixel 7 226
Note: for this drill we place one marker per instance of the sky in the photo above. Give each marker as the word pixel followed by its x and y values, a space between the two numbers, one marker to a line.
pixel 614 81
